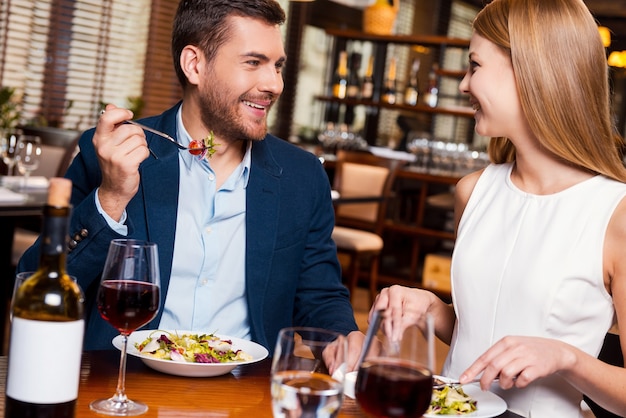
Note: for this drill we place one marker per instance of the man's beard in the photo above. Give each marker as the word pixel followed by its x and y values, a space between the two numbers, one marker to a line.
pixel 224 120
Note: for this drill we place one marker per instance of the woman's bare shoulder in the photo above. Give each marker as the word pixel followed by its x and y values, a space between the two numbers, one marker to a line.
pixel 462 193
pixel 614 249
pixel 465 186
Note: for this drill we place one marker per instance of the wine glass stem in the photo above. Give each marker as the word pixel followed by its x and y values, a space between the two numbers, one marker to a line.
pixel 120 392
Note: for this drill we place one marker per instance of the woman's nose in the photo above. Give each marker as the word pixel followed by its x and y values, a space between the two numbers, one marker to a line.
pixel 464 84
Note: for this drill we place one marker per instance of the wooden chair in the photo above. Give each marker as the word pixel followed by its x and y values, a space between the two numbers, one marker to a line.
pixel 359 226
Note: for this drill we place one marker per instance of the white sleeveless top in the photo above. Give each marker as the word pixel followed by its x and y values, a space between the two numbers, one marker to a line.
pixel 531 265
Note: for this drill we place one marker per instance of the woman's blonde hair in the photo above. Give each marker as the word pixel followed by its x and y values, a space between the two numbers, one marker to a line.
pixel 561 72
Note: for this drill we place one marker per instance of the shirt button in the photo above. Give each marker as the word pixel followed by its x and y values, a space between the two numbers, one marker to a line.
pixel 208 230
pixel 204 282
pixel 211 176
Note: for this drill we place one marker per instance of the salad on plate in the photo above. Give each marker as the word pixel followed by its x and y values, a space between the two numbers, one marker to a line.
pixel 451 400
pixel 190 348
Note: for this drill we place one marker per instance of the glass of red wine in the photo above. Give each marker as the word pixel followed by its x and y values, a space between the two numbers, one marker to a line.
pixel 128 298
pixel 395 377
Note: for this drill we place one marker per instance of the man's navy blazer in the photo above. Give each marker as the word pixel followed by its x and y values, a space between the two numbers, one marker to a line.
pixel 292 273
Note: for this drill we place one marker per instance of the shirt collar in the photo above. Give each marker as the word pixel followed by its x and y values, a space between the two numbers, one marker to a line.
pixel 185 139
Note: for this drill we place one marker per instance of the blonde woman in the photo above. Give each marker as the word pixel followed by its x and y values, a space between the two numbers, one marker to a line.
pixel 539 266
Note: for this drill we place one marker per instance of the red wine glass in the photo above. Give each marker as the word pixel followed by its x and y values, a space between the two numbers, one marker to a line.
pixel 128 298
pixel 395 377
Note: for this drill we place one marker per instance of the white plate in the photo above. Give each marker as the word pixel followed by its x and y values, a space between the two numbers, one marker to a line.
pixel 258 353
pixel 488 404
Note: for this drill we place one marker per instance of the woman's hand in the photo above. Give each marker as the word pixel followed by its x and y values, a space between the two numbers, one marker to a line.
pixel 405 306
pixel 518 361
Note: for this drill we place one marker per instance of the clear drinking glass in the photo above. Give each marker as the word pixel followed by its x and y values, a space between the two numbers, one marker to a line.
pixel 28 155
pixel 128 299
pixel 8 148
pixel 308 371
pixel 395 378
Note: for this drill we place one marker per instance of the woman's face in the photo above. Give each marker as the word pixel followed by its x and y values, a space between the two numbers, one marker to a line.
pixel 490 82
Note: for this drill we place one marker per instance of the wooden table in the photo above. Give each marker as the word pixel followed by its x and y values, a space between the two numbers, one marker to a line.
pixel 243 393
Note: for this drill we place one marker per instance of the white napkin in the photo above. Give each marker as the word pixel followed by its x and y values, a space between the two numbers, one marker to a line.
pixel 7 195
pixel 34 182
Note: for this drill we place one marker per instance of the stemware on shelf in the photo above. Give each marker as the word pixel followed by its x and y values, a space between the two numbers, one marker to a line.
pixel 27 155
pixel 128 298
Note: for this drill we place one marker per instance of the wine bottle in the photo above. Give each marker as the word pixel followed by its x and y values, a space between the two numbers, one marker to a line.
pixel 431 96
pixel 367 89
pixel 411 93
pixel 389 90
pixel 354 86
pixel 340 80
pixel 354 82
pixel 47 328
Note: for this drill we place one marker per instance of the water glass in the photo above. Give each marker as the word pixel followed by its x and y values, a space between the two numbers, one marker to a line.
pixel 8 148
pixel 28 155
pixel 308 371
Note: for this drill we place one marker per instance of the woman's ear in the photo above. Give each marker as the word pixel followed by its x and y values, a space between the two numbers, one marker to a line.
pixel 192 63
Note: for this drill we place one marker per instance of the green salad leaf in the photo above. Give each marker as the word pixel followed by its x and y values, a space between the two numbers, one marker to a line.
pixel 190 348
pixel 451 401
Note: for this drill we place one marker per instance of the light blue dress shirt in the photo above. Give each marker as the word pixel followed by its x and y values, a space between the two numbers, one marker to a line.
pixel 207 290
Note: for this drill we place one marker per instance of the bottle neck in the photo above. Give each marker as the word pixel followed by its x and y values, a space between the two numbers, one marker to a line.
pixel 54 238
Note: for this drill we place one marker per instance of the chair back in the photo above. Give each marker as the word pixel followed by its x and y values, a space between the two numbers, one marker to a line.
pixel 59 146
pixel 361 173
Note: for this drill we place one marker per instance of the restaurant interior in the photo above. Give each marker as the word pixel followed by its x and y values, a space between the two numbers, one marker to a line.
pixel 60 61
pixel 431 143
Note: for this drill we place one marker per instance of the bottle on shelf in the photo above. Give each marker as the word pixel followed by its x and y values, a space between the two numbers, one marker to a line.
pixel 354 82
pixel 340 80
pixel 411 93
pixel 47 316
pixel 354 86
pixel 367 89
pixel 389 88
pixel 431 95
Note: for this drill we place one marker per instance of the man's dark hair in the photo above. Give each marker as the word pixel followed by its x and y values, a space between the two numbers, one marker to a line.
pixel 203 23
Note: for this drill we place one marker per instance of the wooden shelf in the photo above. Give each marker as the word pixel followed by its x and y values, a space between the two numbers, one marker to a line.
pixel 464 111
pixel 427 40
pixel 335 107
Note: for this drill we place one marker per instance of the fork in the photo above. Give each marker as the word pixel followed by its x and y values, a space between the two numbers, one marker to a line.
pixel 164 135
pixel 455 383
